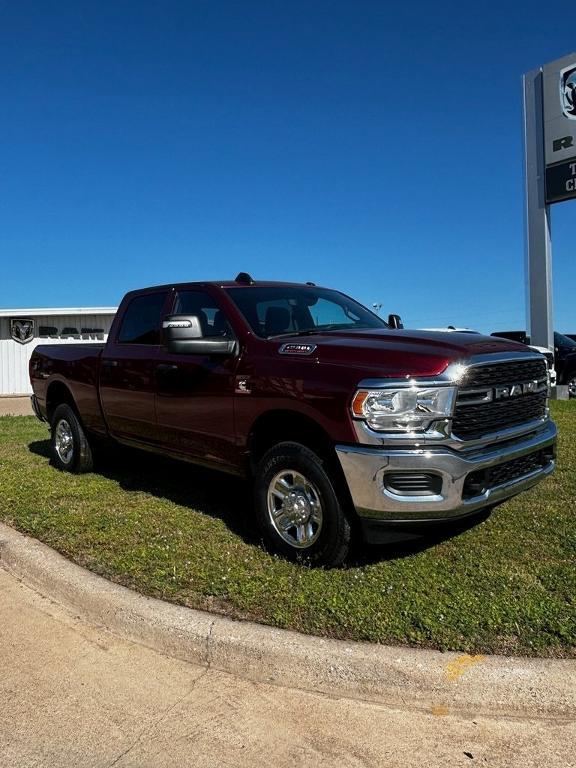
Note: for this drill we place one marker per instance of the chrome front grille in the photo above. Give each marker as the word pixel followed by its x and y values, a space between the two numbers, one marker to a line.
pixel 504 373
pixel 483 407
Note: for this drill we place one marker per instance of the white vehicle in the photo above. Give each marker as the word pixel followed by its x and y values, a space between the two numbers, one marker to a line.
pixel 549 355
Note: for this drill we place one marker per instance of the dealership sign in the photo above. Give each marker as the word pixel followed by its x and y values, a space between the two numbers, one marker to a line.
pixel 550 173
pixel 559 106
pixel 24 330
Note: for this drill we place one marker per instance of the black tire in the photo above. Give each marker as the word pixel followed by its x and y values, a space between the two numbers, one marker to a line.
pixel 322 534
pixel 571 382
pixel 69 447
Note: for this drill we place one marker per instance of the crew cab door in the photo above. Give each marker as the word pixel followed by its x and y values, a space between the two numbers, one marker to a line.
pixel 128 368
pixel 195 392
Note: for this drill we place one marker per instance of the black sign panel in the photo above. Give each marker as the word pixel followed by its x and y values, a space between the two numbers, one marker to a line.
pixel 561 181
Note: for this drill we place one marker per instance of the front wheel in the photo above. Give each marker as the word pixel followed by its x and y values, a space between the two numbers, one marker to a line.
pixel 297 509
pixel 571 385
pixel 70 449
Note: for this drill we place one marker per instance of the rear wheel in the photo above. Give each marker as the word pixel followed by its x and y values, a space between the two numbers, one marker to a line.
pixel 297 509
pixel 70 449
pixel 571 385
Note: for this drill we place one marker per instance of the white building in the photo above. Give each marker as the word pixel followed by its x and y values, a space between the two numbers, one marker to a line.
pixel 21 330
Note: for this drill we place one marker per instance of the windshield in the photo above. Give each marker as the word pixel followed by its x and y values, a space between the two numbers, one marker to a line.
pixel 275 311
pixel 563 341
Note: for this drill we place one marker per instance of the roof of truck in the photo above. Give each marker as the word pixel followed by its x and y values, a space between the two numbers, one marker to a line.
pixel 49 311
pixel 228 284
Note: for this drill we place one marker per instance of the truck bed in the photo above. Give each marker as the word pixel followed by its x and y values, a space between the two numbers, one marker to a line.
pixel 78 367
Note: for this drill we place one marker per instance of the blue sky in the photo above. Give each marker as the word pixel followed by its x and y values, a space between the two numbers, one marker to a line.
pixel 369 146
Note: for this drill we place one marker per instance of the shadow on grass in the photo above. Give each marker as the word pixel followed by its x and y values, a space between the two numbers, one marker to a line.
pixel 424 537
pixel 212 493
pixel 228 498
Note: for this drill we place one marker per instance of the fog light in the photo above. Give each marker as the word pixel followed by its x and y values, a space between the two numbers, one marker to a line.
pixel 476 484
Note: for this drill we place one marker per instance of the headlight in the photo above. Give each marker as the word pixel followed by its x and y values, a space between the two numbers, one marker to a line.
pixel 408 409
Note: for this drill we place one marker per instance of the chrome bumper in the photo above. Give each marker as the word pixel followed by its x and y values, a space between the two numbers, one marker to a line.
pixel 365 469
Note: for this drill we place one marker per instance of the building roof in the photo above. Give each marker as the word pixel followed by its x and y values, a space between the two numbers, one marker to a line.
pixel 48 311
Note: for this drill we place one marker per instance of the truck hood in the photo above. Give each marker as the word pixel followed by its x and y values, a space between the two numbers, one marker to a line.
pixel 395 353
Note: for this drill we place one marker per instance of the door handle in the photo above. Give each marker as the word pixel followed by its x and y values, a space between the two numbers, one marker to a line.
pixel 110 363
pixel 163 367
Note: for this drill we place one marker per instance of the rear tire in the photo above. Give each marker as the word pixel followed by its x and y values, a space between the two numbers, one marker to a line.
pixel 298 511
pixel 69 446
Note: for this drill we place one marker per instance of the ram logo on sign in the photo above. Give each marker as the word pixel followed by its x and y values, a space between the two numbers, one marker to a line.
pixel 559 109
pixel 559 122
pixel 22 330
pixel 568 92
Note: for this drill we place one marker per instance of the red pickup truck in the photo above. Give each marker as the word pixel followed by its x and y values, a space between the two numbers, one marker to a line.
pixel 342 422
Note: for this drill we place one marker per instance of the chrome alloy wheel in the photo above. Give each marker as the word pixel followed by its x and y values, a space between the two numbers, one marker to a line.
pixel 64 441
pixel 294 508
pixel 572 387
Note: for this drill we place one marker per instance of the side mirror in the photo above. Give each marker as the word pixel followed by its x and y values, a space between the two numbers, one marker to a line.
pixel 395 321
pixel 183 336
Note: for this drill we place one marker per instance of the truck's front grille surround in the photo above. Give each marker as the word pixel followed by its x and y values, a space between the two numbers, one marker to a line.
pixel 474 420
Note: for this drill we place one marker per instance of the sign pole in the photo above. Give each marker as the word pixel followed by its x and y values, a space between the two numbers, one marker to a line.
pixel 537 217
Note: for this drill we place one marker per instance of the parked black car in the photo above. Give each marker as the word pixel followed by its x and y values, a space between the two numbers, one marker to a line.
pixel 565 361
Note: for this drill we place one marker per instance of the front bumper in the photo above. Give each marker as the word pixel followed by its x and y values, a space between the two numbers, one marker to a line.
pixel 366 469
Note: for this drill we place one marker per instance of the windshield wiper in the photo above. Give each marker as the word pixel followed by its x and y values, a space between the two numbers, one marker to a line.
pixel 308 332
pixel 322 329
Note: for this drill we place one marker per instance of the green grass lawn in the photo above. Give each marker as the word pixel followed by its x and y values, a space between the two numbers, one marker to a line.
pixel 506 584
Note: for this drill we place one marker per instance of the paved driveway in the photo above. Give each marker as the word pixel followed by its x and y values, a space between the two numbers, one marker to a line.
pixel 16 406
pixel 72 694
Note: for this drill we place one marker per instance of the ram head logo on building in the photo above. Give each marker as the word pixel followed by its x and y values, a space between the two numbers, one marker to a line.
pixel 568 91
pixel 22 330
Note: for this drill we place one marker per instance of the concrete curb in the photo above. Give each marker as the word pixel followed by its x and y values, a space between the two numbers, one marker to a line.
pixel 442 683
